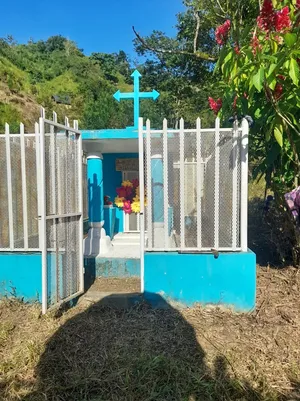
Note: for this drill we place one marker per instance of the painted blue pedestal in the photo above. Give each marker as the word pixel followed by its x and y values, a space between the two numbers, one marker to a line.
pixel 109 220
pixel 188 279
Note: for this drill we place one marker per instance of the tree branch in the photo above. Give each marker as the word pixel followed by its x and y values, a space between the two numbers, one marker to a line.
pixel 197 54
pixel 197 17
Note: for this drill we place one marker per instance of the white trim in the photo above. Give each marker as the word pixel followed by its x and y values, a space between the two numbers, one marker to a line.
pixel 80 207
pixel 166 182
pixel 38 177
pixel 24 186
pixel 235 145
pixel 142 203
pixel 217 184
pixel 149 186
pixel 182 182
pixel 95 155
pixel 199 184
pixel 244 185
pixel 43 231
pixel 9 188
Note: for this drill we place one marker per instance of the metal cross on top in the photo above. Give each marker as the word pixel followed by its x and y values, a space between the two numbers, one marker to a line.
pixel 136 95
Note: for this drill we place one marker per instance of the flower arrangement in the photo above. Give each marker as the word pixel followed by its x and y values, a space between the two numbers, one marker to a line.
pixel 128 196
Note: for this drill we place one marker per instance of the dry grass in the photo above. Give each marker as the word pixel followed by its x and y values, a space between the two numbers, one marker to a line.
pixel 98 353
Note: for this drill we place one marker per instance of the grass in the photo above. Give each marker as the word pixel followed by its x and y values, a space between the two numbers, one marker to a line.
pixel 93 352
pixel 98 353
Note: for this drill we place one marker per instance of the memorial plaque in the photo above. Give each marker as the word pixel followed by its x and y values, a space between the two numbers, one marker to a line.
pixel 127 164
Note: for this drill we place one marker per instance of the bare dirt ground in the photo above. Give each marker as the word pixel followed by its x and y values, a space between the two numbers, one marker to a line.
pixel 98 353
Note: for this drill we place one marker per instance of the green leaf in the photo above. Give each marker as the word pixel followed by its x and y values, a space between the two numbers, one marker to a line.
pixel 290 39
pixel 294 71
pixel 258 79
pixel 271 69
pixel 278 134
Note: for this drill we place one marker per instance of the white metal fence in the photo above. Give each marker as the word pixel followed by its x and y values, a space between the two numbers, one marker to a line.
pixel 19 227
pixel 196 184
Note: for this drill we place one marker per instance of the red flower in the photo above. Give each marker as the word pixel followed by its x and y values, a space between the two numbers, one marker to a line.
pixel 237 49
pixel 121 192
pixel 278 91
pixel 282 77
pixel 298 4
pixel 255 45
pixel 135 183
pixel 222 32
pixel 282 20
pixel 266 18
pixel 234 102
pixel 215 105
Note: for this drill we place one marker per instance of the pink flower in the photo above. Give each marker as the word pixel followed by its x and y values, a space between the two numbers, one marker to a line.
pixel 266 18
pixel 215 105
pixel 127 207
pixel 222 32
pixel 282 20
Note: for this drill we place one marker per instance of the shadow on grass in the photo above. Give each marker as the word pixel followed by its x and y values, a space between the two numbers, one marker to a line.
pixel 265 236
pixel 139 354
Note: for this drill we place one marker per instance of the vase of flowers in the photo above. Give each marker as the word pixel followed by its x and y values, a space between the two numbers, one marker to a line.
pixel 128 196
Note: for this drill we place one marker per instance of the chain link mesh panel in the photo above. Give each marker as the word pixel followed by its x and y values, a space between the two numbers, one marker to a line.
pixel 193 180
pixel 62 198
pixel 4 222
pixel 19 180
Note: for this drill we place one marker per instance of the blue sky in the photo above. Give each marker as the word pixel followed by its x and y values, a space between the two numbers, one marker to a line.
pixel 96 25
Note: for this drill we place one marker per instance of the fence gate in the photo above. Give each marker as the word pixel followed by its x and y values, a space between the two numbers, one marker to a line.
pixel 195 183
pixel 60 205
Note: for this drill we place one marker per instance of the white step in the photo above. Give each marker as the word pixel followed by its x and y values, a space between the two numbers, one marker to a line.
pixel 126 239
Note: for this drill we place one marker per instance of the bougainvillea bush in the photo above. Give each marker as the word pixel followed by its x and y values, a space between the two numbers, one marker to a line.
pixel 260 77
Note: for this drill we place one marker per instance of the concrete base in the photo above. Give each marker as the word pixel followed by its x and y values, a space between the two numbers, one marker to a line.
pixel 188 279
pixel 21 275
pixel 97 242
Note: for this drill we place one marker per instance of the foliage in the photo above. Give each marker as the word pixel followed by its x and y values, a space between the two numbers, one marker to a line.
pixel 261 79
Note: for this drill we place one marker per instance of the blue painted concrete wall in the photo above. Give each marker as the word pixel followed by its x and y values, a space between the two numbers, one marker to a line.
pixel 112 180
pixel 21 275
pixel 95 190
pixel 112 267
pixel 192 278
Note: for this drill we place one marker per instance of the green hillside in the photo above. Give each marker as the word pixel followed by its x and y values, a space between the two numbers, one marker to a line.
pixel 44 73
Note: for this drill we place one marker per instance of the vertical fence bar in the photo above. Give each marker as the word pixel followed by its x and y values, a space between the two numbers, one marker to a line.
pixel 182 183
pixel 166 182
pixel 80 205
pixel 24 186
pixel 43 228
pixel 235 152
pixel 149 187
pixel 53 166
pixel 217 184
pixel 9 188
pixel 244 185
pixel 142 203
pixel 38 178
pixel 199 184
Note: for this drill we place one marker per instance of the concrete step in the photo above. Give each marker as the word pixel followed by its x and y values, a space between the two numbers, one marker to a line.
pixel 123 239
